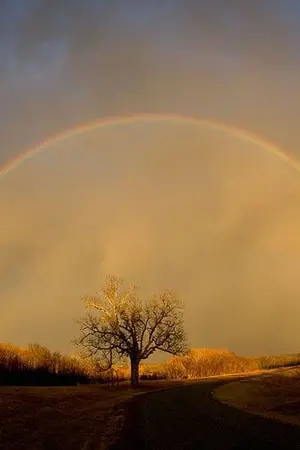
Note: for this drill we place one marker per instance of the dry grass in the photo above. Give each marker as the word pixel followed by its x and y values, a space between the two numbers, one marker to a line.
pixel 205 362
pixel 37 365
pixel 80 417
pixel 73 418
pixel 275 395
pixel 194 364
pixel 273 362
pixel 70 417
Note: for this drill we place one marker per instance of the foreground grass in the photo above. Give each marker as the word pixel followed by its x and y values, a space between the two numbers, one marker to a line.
pixel 275 395
pixel 83 417
pixel 70 418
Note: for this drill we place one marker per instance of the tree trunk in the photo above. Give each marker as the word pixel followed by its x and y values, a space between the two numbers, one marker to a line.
pixel 135 363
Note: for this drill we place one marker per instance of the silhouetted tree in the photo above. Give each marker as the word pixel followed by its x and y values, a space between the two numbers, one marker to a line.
pixel 119 324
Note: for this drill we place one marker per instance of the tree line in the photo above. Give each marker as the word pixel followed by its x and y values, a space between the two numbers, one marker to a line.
pixel 120 327
pixel 36 365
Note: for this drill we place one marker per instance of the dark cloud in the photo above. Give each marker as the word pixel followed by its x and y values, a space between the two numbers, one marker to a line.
pixel 62 64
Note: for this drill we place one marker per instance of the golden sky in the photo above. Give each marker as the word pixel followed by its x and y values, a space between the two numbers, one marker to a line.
pixel 166 206
pixel 185 207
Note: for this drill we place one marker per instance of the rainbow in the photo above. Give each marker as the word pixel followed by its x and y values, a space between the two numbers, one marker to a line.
pixel 177 118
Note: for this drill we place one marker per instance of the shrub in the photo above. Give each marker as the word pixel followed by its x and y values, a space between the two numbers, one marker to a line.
pixel 199 363
pixel 37 365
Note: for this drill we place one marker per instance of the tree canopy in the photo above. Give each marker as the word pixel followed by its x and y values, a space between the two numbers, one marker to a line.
pixel 118 324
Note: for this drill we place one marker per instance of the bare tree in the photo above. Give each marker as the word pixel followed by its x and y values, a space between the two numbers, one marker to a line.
pixel 119 324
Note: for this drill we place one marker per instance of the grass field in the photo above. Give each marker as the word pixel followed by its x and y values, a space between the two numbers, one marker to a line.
pixel 274 395
pixel 86 417
pixel 83 417
pixel 89 417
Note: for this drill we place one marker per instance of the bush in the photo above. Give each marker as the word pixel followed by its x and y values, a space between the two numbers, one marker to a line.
pixel 36 365
pixel 199 363
pixel 274 362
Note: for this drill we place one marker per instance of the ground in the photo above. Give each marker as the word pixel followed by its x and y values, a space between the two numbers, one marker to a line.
pixel 81 417
pixel 186 416
pixel 274 395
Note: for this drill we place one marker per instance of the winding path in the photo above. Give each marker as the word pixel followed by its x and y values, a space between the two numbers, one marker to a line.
pixel 190 418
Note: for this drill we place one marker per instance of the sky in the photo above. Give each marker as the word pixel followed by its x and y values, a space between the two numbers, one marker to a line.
pixel 187 207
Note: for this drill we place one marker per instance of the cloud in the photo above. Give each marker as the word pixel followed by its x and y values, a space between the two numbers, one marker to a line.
pixel 184 207
pixel 213 216
pixel 227 59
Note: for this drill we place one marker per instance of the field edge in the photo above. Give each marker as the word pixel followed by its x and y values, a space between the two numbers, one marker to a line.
pixel 245 396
